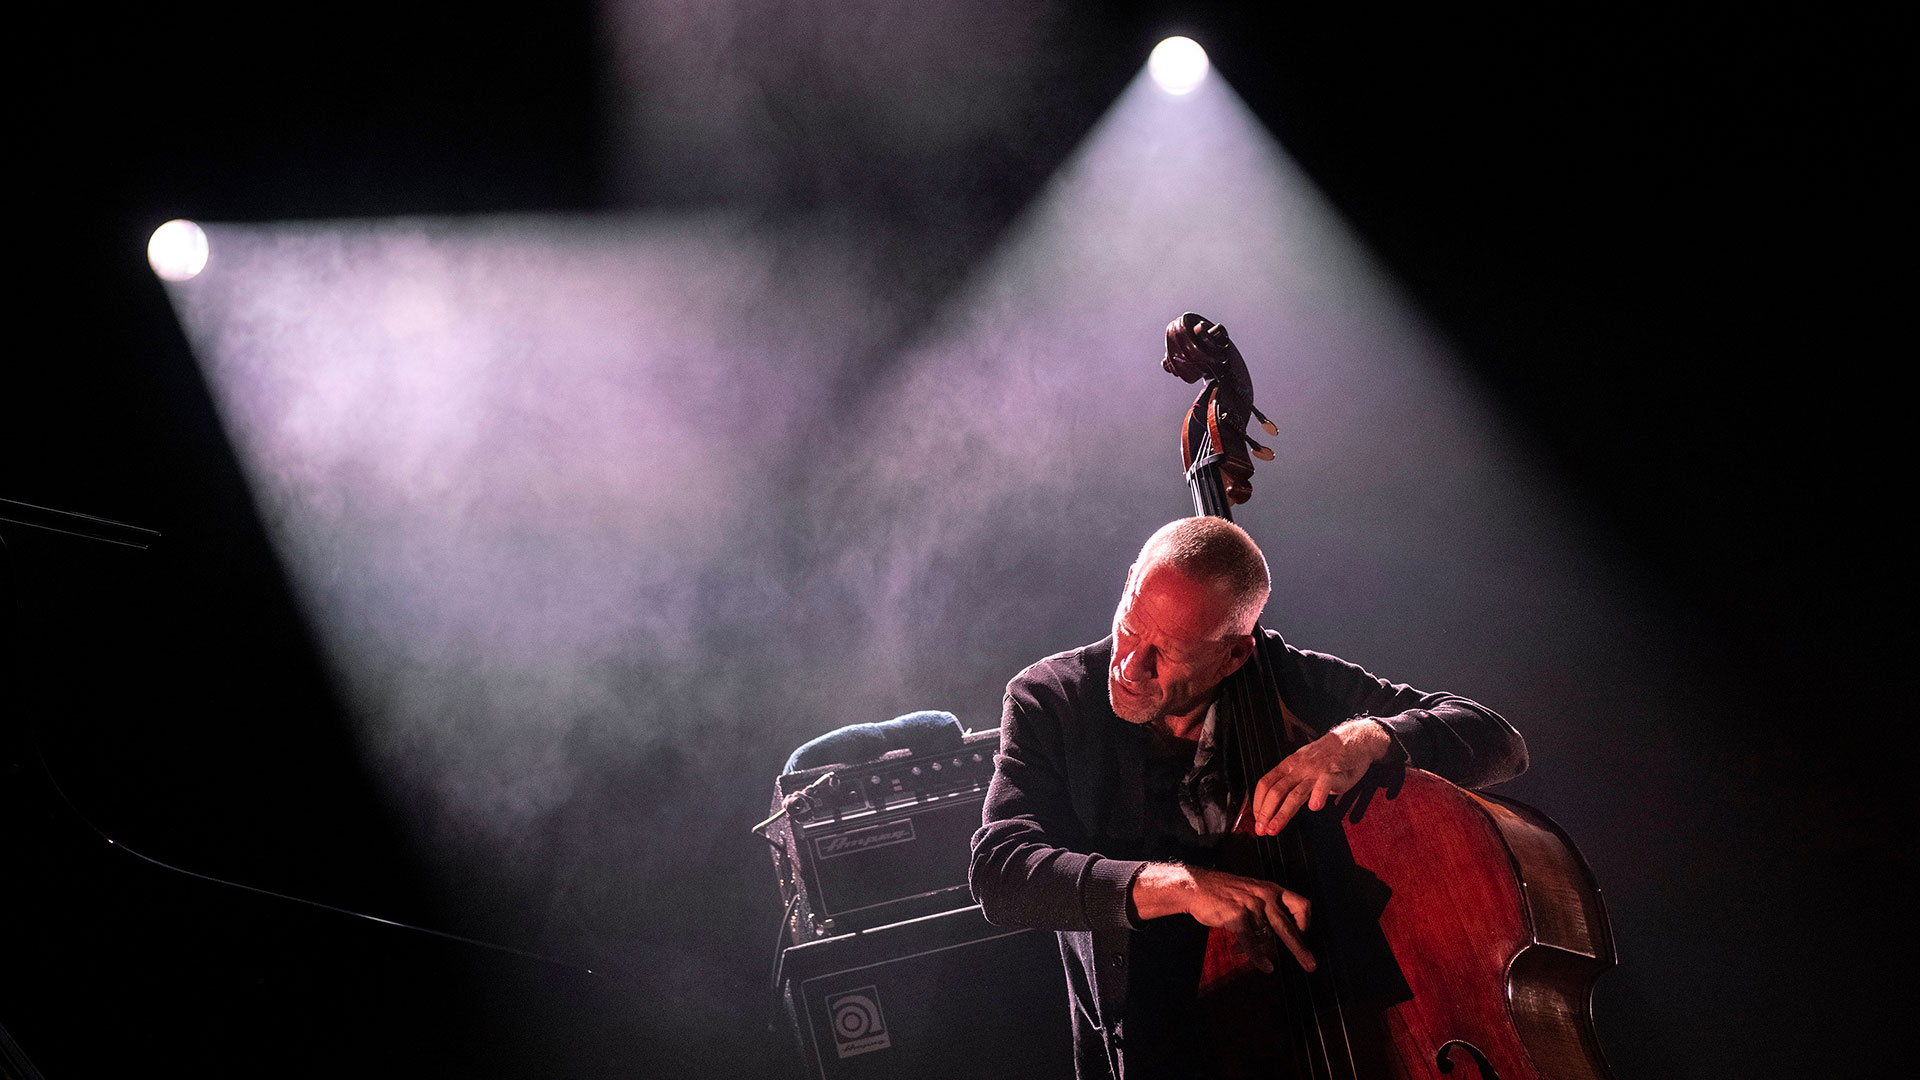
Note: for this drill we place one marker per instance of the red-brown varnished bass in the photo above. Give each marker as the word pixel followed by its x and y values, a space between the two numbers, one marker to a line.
pixel 1458 935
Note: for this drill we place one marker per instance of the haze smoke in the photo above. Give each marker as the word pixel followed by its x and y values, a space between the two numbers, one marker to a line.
pixel 597 519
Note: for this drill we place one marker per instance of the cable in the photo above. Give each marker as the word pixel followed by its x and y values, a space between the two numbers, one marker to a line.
pixel 775 1002
pixel 47 771
pixel 113 532
pixel 780 950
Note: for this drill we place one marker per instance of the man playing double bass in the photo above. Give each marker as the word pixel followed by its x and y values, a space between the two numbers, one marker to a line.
pixel 1108 796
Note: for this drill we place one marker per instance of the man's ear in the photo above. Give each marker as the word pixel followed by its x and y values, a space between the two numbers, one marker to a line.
pixel 1238 652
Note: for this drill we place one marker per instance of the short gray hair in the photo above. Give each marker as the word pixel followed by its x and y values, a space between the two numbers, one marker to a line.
pixel 1218 552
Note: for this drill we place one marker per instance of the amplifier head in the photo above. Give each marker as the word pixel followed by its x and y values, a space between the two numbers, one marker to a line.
pixel 879 841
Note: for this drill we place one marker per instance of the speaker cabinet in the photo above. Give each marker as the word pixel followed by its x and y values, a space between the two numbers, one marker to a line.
pixel 944 997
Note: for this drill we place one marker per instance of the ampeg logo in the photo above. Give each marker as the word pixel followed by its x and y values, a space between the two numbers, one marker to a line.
pixel 873 836
pixel 858 1027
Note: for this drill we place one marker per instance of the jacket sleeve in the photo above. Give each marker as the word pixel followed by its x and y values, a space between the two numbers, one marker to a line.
pixel 1461 740
pixel 1032 864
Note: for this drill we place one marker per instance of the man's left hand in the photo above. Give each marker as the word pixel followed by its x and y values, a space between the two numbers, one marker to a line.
pixel 1318 773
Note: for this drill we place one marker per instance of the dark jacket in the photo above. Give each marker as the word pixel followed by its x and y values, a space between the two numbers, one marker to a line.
pixel 1065 816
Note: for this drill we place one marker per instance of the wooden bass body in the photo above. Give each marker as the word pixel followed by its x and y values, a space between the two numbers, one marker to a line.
pixel 1459 936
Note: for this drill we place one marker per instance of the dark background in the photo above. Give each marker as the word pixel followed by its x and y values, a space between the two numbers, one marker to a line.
pixel 1665 241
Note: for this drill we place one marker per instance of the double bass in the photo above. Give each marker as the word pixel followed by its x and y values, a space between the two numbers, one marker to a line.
pixel 1458 934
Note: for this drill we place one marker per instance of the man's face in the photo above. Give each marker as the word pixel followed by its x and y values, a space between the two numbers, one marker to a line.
pixel 1172 645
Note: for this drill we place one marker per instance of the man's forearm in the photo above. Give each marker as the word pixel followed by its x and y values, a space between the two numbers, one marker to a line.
pixel 1162 889
pixel 1262 914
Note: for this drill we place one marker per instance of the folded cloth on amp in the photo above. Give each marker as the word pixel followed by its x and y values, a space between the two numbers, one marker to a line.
pixel 928 731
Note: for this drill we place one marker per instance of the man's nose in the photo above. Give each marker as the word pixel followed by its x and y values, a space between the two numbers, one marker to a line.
pixel 1137 664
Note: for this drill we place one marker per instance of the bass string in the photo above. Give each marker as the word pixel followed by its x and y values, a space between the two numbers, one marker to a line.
pixel 1248 748
pixel 1268 672
pixel 1256 743
pixel 1236 722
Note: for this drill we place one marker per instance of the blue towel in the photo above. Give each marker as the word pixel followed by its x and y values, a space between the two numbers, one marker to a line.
pixel 927 731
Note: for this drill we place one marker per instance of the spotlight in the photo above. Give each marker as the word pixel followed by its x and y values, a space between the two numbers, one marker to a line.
pixel 1178 64
pixel 178 250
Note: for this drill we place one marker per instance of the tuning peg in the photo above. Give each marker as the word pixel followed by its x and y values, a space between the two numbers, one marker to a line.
pixel 1270 427
pixel 1259 451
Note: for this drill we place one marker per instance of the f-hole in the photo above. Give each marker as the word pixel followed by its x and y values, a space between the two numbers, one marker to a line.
pixel 1445 1058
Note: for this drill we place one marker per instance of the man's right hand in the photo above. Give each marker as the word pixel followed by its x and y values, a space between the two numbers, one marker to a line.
pixel 1256 911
